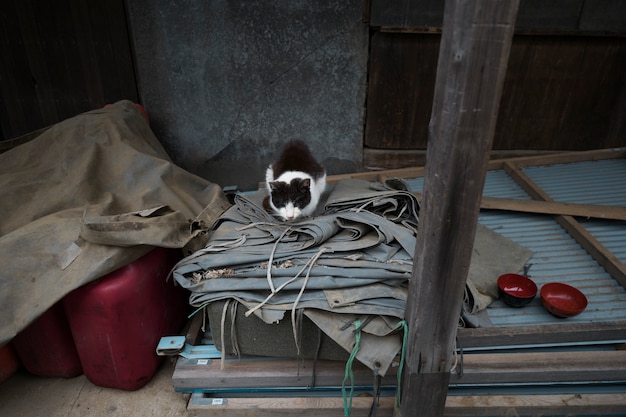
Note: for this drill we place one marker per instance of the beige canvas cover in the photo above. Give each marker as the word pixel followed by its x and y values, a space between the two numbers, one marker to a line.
pixel 84 197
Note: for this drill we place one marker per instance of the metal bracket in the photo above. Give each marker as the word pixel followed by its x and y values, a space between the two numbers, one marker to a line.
pixel 170 345
pixel 175 345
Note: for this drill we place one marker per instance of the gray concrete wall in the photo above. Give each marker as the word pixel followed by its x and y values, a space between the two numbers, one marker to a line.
pixel 227 82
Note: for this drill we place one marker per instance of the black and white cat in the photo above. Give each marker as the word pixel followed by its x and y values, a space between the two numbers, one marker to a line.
pixel 294 182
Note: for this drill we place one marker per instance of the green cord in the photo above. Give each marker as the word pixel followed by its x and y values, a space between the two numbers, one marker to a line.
pixel 347 401
pixel 349 374
pixel 405 339
pixel 198 309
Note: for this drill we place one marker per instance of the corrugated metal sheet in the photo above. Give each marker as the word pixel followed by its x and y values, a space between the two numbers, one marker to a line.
pixel 557 256
pixel 590 182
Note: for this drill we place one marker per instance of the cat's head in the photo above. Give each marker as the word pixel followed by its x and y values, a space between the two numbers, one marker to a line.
pixel 288 199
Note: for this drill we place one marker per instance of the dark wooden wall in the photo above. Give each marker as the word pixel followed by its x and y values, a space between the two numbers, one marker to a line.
pixel 560 93
pixel 61 58
pixel 572 16
pixel 565 86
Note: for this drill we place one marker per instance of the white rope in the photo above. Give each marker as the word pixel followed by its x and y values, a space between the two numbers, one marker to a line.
pixel 271 260
pixel 262 303
pixel 222 331
pixel 295 303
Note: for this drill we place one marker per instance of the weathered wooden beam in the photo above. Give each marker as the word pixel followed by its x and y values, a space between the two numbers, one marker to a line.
pixel 553 207
pixel 595 211
pixel 473 58
pixel 541 334
pixel 568 157
pixel 259 373
pixel 541 367
pixel 474 368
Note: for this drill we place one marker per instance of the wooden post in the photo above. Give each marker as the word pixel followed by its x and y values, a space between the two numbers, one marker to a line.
pixel 473 57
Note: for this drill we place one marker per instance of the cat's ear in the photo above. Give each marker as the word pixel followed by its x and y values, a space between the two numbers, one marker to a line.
pixel 306 182
pixel 273 185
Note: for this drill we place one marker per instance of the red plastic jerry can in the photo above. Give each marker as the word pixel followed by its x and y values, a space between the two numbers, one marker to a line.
pixel 118 320
pixel 9 362
pixel 46 347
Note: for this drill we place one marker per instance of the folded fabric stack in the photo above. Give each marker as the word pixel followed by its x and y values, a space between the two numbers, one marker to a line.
pixel 346 267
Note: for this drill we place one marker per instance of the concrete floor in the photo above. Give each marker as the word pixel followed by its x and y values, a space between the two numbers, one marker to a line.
pixel 25 395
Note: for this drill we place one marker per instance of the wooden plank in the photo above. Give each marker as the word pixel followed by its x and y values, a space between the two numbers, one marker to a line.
pixel 562 333
pixel 553 207
pixel 564 157
pixel 602 255
pixel 596 249
pixel 473 57
pixel 536 405
pixel 541 367
pixel 259 372
pixel 208 405
pixel 473 368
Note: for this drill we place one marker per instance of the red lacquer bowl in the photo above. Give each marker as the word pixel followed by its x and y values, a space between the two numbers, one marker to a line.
pixel 563 300
pixel 516 290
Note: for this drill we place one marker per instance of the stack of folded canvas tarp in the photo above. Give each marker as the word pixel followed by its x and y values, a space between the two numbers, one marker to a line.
pixel 317 287
pixel 347 266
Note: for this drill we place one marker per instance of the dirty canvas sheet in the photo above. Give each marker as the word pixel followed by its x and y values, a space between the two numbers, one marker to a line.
pixel 354 259
pixel 85 197
pixel 347 266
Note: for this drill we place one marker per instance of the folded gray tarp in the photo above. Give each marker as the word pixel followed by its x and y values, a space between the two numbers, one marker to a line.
pixel 85 197
pixel 350 262
pixel 341 250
